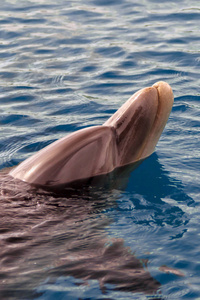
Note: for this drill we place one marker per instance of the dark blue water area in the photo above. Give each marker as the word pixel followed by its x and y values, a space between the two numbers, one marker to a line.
pixel 68 65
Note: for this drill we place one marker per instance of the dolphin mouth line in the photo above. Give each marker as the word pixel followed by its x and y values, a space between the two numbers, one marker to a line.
pixel 154 123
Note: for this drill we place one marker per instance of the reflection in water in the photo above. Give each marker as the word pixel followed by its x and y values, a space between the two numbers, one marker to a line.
pixel 48 234
pixel 163 196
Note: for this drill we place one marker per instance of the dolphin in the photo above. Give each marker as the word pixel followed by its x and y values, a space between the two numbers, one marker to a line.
pixel 128 136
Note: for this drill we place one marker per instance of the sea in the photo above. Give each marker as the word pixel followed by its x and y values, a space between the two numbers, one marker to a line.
pixel 68 65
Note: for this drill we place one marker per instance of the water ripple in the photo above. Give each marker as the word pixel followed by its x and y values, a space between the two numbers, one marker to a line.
pixel 68 65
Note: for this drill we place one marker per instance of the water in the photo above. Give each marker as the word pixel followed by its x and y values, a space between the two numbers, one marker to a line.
pixel 66 65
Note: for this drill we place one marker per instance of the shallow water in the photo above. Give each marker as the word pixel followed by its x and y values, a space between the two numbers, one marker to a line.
pixel 66 65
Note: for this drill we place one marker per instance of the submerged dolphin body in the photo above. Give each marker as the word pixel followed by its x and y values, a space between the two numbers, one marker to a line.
pixel 128 136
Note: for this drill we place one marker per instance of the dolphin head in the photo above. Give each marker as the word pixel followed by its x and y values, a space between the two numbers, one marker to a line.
pixel 130 135
pixel 140 121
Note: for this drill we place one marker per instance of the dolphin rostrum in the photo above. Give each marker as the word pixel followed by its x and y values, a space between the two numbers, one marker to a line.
pixel 128 136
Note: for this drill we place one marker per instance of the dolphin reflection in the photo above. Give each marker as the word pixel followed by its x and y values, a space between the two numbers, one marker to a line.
pixel 48 235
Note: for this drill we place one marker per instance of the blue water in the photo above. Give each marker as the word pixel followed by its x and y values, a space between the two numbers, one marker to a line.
pixel 66 65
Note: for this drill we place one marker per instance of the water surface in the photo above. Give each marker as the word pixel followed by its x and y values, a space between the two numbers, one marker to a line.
pixel 67 65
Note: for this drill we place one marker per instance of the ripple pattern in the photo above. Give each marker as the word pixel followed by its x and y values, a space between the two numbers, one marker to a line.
pixel 66 65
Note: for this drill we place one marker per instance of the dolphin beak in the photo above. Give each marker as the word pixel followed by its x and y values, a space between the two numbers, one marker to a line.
pixel 140 121
pixel 165 103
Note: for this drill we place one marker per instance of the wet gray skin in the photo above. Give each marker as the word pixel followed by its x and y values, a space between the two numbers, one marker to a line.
pixel 130 135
